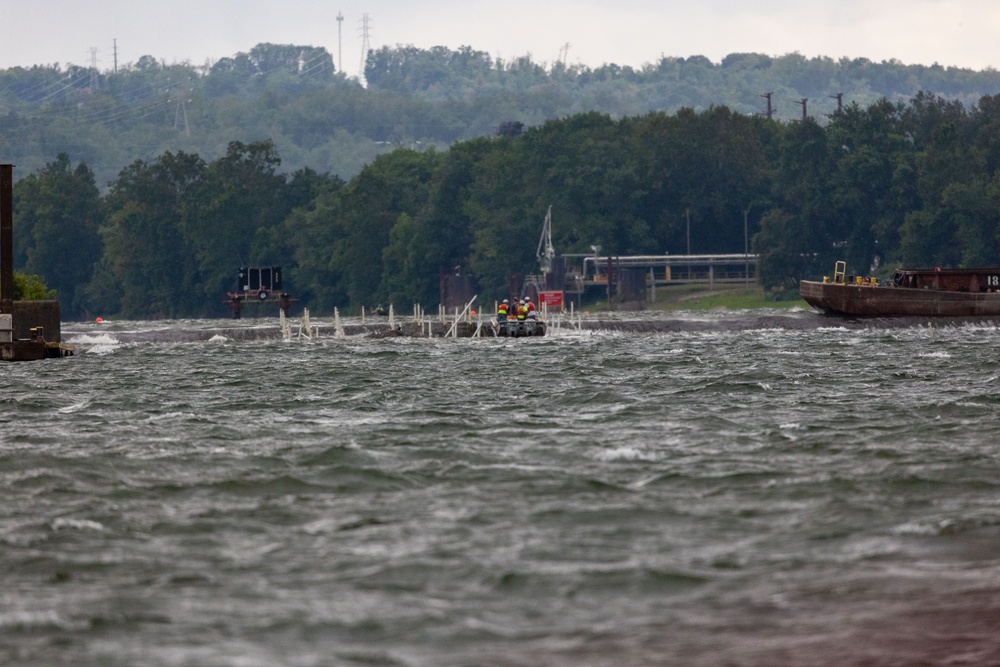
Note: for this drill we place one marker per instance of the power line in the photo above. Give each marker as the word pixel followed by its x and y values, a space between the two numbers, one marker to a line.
pixel 52 86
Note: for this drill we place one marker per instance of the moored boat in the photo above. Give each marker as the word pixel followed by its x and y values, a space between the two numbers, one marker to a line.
pixel 910 292
pixel 517 328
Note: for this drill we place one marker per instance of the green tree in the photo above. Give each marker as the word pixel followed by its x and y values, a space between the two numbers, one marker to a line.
pixel 800 237
pixel 394 184
pixel 876 183
pixel 238 196
pixel 781 264
pixel 57 212
pixel 963 230
pixel 291 244
pixel 31 288
pixel 438 238
pixel 316 235
pixel 405 276
pixel 147 267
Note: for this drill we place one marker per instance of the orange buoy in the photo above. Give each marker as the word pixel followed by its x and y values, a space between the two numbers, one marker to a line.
pixel 99 320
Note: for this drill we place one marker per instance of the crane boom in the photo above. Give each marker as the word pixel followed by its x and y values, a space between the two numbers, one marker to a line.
pixel 545 251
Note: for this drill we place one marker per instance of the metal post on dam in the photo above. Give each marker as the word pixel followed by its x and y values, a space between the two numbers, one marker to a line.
pixel 7 239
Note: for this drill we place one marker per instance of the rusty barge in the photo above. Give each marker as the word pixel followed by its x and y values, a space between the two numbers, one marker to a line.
pixel 909 293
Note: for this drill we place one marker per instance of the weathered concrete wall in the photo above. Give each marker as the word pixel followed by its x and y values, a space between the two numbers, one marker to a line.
pixel 30 314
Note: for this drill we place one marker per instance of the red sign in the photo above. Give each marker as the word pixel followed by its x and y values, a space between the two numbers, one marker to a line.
pixel 551 299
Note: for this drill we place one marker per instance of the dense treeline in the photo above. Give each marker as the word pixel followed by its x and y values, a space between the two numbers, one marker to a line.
pixel 319 118
pixel 913 183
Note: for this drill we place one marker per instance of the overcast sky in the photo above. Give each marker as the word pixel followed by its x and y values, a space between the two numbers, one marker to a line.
pixel 961 33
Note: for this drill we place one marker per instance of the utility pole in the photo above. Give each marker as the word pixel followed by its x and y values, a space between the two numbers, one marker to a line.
pixel 340 48
pixel 365 25
pixel 770 109
pixel 746 245
pixel 840 101
pixel 803 103
pixel 115 42
pixel 687 216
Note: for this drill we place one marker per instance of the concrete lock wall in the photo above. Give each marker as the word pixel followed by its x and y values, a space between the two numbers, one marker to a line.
pixel 31 314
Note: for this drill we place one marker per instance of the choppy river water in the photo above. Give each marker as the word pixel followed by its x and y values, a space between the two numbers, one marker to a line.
pixel 727 495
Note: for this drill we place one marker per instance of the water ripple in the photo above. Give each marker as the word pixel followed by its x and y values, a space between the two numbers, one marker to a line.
pixel 720 493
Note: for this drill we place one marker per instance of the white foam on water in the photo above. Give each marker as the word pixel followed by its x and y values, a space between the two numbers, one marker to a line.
pixel 99 344
pixel 38 620
pixel 93 339
pixel 70 409
pixel 921 528
pixel 103 349
pixel 76 524
pixel 625 453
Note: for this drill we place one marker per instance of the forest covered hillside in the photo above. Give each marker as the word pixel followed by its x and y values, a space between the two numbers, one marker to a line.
pixel 140 192
pixel 890 184
pixel 317 118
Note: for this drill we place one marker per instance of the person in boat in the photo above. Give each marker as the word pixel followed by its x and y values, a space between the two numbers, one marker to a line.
pixel 529 308
pixel 502 310
pixel 522 311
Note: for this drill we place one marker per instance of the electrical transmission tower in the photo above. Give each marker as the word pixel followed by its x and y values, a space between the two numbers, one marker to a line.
pixel 181 117
pixel 340 48
pixel 94 80
pixel 365 29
